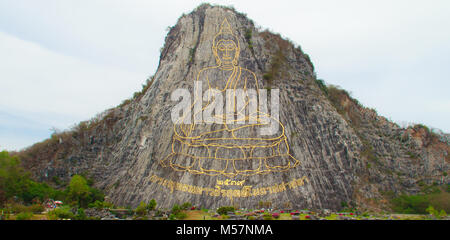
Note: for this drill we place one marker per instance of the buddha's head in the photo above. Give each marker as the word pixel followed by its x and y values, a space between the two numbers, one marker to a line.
pixel 226 46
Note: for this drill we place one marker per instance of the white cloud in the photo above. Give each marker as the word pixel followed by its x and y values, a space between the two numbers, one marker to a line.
pixel 51 89
pixel 35 79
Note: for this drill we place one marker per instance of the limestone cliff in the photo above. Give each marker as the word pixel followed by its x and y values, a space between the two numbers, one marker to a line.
pixel 346 153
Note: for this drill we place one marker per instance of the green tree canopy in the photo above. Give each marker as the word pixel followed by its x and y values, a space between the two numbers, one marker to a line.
pixel 81 194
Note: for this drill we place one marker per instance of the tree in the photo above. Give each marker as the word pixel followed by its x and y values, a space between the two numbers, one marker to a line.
pixel 432 211
pixel 225 210
pixel 141 210
pixel 16 182
pixel 13 179
pixel 151 205
pixel 177 212
pixel 79 191
pixel 81 194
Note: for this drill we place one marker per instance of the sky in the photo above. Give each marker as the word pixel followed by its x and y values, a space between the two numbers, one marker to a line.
pixel 62 62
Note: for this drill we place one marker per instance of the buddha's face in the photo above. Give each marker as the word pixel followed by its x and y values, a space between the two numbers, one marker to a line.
pixel 226 51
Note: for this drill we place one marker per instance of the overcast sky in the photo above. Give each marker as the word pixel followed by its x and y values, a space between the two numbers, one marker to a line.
pixel 62 62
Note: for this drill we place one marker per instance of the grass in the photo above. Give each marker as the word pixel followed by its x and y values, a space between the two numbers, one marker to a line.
pixel 198 215
pixel 332 217
pixel 33 217
pixel 285 216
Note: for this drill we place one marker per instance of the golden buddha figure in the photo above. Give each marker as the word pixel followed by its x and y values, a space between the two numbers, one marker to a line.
pixel 228 143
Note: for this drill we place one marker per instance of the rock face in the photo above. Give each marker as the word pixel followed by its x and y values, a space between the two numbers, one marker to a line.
pixel 333 150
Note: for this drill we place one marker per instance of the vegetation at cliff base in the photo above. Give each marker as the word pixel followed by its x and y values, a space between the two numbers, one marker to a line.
pixel 431 197
pixel 15 183
pixel 177 213
pixel 225 210
pixel 23 196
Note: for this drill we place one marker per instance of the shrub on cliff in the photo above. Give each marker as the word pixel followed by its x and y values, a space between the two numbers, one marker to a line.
pixel 141 210
pixel 177 212
pixel 225 210
pixel 81 194
pixel 151 205
pixel 64 212
pixel 98 204
pixel 186 205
